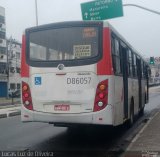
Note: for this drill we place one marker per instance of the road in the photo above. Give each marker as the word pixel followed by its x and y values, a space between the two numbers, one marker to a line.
pixel 15 135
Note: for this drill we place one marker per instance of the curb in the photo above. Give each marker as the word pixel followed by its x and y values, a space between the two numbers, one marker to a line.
pixel 10 114
pixel 14 114
pixel 3 115
pixel 128 149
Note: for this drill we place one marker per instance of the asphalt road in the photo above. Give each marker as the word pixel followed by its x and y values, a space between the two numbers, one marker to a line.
pixel 15 135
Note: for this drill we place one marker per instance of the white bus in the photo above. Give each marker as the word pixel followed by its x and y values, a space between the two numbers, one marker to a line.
pixel 81 73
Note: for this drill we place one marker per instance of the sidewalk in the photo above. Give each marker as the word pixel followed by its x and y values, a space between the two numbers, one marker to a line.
pixel 5 102
pixel 147 141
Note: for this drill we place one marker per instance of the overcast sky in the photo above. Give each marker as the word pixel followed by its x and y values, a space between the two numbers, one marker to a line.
pixel 139 27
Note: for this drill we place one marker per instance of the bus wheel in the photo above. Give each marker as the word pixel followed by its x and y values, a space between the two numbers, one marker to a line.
pixel 141 112
pixel 131 119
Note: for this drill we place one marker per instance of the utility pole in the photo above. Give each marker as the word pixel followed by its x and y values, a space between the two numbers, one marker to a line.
pixel 7 67
pixel 36 12
pixel 8 48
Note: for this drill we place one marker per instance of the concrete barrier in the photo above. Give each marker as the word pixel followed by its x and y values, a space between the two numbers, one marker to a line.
pixel 16 113
pixel 4 115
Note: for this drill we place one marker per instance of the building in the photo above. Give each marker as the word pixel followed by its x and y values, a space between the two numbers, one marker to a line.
pixel 10 55
pixel 155 70
pixel 3 55
pixel 14 59
pixel 155 74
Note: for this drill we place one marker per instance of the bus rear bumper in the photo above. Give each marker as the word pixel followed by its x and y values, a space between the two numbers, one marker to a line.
pixel 103 117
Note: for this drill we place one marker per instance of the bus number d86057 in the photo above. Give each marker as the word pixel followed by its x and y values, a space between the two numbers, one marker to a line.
pixel 82 80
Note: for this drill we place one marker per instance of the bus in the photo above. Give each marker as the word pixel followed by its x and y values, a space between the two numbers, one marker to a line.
pixel 81 73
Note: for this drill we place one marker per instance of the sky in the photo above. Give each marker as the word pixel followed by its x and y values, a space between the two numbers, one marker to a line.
pixel 139 27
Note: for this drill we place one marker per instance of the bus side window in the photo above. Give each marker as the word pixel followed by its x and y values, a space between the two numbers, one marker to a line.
pixel 142 65
pixel 113 57
pixel 134 66
pixel 146 71
pixel 130 71
pixel 116 57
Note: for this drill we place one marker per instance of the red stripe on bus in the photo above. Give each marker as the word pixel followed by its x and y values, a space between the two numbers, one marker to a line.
pixel 24 65
pixel 104 66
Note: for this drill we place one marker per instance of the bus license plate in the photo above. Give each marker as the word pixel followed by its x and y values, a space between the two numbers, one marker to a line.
pixel 62 107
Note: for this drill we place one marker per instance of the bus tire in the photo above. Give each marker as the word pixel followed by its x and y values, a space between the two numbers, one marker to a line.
pixel 141 112
pixel 131 118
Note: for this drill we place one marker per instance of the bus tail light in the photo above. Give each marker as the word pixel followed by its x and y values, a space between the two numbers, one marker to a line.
pixel 101 97
pixel 26 96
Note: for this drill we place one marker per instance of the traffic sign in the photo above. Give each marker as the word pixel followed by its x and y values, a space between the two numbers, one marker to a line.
pixel 101 9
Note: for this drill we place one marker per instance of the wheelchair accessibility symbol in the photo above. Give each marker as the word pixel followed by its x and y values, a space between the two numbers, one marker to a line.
pixel 38 81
